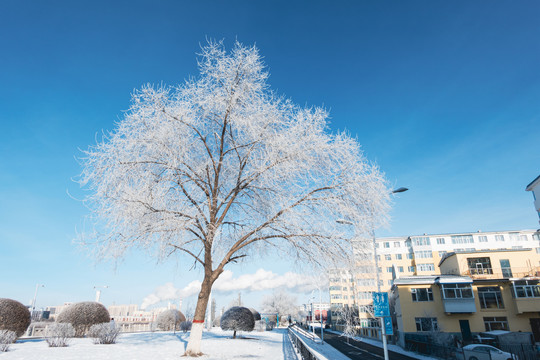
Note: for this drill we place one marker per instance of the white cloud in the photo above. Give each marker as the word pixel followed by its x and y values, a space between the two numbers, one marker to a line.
pixel 258 281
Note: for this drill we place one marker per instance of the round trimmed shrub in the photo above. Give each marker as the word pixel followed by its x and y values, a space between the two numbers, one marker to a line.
pixel 14 316
pixel 83 315
pixel 256 315
pixel 238 318
pixel 169 320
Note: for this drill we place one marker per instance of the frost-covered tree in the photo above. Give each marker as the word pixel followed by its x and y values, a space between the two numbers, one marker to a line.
pixel 170 319
pixel 14 316
pixel 59 334
pixel 221 168
pixel 237 318
pixel 281 303
pixel 83 315
pixel 105 333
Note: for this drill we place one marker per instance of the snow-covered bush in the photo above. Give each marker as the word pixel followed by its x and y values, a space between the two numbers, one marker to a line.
pixel 105 333
pixel 237 318
pixel 170 320
pixel 14 316
pixel 83 315
pixel 7 337
pixel 185 326
pixel 59 334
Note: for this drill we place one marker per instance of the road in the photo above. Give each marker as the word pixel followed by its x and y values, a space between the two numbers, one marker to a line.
pixel 360 350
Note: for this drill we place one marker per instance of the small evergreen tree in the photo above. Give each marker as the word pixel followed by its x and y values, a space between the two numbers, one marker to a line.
pixel 170 320
pixel 83 315
pixel 14 316
pixel 238 318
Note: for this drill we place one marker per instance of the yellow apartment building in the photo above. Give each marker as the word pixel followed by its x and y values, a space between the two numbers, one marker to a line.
pixel 477 291
pixel 415 255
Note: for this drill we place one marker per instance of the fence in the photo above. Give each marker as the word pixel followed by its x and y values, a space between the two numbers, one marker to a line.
pixel 523 352
pixel 300 346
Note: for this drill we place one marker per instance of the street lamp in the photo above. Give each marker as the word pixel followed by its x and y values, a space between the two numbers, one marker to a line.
pixel 35 297
pixel 381 320
pixel 98 292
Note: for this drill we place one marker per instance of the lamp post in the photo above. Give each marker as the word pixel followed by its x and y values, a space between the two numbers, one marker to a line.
pixel 98 292
pixel 35 297
pixel 381 320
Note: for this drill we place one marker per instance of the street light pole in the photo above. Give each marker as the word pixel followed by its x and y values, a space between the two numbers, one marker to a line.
pixel 35 297
pixel 98 292
pixel 381 320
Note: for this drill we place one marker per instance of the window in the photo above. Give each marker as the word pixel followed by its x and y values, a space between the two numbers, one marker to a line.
pixel 365 295
pixel 442 253
pixel 499 237
pixel 366 282
pixel 505 268
pixel 479 266
pixel 523 238
pixel 490 297
pixel 335 288
pixel 426 324
pixel 400 268
pixel 536 236
pixel 335 296
pixel 496 323
pixel 398 257
pixel 538 250
pixel 379 257
pixel 457 291
pixel 440 241
pixel 397 244
pixel 526 289
pixel 390 282
pixel 422 295
pixel 514 236
pixel 389 269
pixel 345 297
pixel 421 240
pixel 425 254
pixel 344 288
pixel 482 238
pixel 426 267
pixel 386 244
pixel 411 269
pixel 409 256
pixel 387 257
pixel 462 239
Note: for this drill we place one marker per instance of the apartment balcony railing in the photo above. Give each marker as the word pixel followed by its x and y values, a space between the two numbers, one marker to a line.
pixel 502 273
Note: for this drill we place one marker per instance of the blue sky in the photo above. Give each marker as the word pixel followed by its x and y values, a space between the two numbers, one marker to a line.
pixel 444 96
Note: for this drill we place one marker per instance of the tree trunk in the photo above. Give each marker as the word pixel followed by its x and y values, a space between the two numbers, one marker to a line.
pixel 234 334
pixel 194 343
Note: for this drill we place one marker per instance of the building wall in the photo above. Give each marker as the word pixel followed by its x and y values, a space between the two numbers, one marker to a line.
pixel 343 291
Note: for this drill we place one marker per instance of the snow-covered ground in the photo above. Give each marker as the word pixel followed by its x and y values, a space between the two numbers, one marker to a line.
pixel 216 344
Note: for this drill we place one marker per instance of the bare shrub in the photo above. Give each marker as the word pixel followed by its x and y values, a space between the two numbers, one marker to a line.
pixel 105 333
pixel 238 318
pixel 59 334
pixel 260 325
pixel 83 315
pixel 170 320
pixel 14 316
pixel 185 326
pixel 7 337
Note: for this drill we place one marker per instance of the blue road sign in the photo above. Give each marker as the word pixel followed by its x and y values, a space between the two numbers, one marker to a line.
pixel 388 325
pixel 380 304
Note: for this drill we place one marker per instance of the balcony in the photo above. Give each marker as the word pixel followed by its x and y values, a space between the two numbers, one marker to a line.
pixel 498 273
pixel 458 298
pixel 526 294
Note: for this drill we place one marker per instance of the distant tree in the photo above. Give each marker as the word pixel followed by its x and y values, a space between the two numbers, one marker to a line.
pixel 237 319
pixel 14 316
pixel 170 320
pixel 222 168
pixel 83 315
pixel 281 303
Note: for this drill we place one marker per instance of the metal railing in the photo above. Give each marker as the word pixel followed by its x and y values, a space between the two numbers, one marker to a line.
pixel 498 273
pixel 300 346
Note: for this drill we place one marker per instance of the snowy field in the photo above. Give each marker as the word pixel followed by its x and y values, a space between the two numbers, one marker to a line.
pixel 216 344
